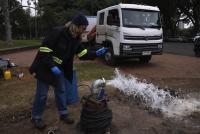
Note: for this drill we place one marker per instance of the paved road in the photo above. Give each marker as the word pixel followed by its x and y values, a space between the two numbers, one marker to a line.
pixel 22 58
pixel 185 49
pixel 25 58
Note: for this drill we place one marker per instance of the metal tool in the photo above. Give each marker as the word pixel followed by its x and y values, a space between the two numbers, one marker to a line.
pixel 98 85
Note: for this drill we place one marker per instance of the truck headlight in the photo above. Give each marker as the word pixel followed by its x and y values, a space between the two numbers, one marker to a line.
pixel 127 47
pixel 159 45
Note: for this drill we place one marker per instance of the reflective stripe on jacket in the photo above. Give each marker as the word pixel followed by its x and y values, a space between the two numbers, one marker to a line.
pixel 82 53
pixel 45 49
pixel 58 49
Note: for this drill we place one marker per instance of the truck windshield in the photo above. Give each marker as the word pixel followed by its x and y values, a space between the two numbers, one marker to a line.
pixel 141 18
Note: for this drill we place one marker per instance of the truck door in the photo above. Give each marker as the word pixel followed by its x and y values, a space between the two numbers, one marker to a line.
pixel 113 29
pixel 100 28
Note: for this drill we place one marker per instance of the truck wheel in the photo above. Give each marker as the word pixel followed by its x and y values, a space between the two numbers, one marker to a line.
pixel 145 59
pixel 109 58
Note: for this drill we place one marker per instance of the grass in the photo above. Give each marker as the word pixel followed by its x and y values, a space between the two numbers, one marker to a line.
pixel 19 43
pixel 91 71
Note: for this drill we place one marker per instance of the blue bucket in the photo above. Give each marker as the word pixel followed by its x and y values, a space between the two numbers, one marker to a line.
pixel 72 90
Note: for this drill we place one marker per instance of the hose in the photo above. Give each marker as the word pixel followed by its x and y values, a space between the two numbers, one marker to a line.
pixel 51 132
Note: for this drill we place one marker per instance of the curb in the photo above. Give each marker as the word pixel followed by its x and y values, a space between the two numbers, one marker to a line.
pixel 17 49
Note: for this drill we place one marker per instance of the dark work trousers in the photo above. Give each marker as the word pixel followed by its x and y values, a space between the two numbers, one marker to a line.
pixel 42 93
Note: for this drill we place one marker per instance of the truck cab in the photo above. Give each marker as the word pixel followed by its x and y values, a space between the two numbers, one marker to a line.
pixel 129 31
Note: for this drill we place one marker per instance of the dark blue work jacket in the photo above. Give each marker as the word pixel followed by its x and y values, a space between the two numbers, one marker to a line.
pixel 58 49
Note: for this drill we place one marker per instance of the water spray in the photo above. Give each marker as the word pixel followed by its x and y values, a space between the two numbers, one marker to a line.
pixel 154 97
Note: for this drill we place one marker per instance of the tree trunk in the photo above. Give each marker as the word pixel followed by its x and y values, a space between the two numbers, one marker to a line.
pixel 196 21
pixel 7 23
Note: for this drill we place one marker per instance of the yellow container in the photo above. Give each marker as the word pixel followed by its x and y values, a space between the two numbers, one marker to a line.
pixel 7 75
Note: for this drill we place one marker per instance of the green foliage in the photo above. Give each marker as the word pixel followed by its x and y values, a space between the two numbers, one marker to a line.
pixel 19 24
pixel 73 7
pixel 93 6
pixel 19 43
pixel 186 33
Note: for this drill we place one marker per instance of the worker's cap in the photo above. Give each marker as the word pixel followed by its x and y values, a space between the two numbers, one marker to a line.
pixel 80 19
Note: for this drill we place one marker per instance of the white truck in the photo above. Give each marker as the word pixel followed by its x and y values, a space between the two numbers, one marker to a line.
pixel 129 31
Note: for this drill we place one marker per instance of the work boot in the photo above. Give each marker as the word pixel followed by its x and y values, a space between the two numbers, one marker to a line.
pixel 65 118
pixel 38 123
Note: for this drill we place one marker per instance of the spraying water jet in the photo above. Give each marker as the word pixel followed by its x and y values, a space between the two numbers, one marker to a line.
pixel 154 97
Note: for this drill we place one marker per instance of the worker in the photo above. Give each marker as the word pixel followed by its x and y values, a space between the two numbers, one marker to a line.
pixel 53 64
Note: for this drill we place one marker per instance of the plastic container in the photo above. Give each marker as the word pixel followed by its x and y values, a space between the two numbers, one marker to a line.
pixel 4 64
pixel 7 75
pixel 72 90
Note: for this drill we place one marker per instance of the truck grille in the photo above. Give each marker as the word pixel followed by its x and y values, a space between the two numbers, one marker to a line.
pixel 137 49
pixel 127 37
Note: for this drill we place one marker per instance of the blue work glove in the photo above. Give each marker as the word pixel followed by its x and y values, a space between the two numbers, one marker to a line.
pixel 101 51
pixel 56 70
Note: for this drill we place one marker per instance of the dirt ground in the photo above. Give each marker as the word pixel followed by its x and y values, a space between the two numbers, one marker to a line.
pixel 180 74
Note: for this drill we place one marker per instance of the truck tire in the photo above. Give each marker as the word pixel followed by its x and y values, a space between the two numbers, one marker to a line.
pixel 145 59
pixel 109 58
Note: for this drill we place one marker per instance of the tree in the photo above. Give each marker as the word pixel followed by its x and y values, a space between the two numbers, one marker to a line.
pixel 7 8
pixel 19 21
pixel 170 15
pixel 191 8
pixel 6 14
